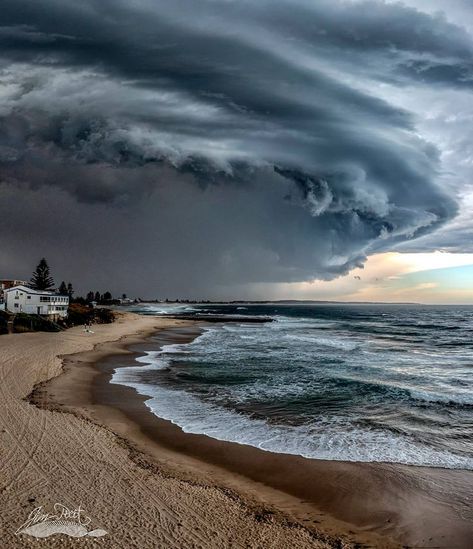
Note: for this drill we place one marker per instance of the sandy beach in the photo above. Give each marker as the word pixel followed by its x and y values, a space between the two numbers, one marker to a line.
pixel 79 440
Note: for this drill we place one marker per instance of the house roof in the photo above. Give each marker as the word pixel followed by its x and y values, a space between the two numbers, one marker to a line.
pixel 31 291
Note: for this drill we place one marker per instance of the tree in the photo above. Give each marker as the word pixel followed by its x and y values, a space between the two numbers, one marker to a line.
pixel 42 279
pixel 70 291
pixel 97 296
pixel 90 297
pixel 123 296
pixel 62 288
pixel 107 296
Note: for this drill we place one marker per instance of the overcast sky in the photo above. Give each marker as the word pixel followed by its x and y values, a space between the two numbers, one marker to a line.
pixel 224 149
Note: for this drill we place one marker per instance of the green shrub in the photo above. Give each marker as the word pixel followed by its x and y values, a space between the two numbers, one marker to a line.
pixel 104 316
pixel 79 314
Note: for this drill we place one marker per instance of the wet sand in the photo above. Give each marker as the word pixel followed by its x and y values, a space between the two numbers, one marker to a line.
pixel 379 505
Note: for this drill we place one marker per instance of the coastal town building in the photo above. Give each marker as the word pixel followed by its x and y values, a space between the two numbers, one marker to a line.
pixel 7 283
pixel 22 299
pixel 126 301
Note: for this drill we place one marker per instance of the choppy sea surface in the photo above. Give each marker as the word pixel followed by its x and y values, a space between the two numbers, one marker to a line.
pixel 391 383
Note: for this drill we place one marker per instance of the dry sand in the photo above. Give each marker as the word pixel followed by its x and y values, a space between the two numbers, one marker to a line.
pixel 151 485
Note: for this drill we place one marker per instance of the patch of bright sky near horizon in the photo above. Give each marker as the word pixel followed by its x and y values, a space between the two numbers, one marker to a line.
pixel 435 278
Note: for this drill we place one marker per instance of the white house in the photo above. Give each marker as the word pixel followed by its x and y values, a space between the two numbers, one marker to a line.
pixel 21 299
pixel 6 283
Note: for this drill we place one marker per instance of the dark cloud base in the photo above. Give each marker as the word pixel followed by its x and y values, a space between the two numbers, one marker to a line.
pixel 218 142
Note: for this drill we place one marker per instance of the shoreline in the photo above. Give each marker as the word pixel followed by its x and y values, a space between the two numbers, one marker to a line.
pixel 50 457
pixel 392 504
pixel 84 385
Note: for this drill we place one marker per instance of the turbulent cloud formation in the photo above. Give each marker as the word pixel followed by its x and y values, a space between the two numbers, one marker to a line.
pixel 254 141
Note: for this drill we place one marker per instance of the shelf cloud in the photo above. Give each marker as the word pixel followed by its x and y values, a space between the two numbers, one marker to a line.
pixel 252 141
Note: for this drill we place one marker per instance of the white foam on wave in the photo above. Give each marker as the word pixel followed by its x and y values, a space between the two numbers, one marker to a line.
pixel 336 342
pixel 462 398
pixel 163 308
pixel 330 438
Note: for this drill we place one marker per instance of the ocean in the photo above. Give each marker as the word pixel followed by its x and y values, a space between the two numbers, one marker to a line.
pixel 370 383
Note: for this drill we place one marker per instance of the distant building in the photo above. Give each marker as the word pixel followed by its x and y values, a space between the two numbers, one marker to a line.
pixel 126 301
pixel 7 283
pixel 22 299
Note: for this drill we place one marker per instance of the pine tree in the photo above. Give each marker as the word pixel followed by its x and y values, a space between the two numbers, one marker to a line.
pixel 107 296
pixel 62 288
pixel 97 297
pixel 42 279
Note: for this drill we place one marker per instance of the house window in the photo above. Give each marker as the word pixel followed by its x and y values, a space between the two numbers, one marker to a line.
pixel 16 305
pixel 28 297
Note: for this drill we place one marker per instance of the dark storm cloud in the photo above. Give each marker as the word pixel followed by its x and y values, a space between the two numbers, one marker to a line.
pixel 261 102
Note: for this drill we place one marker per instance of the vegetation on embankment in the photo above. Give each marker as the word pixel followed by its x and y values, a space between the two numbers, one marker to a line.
pixel 23 322
pixel 3 323
pixel 77 315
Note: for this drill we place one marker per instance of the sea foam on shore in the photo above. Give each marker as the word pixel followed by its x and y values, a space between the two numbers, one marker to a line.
pixel 351 383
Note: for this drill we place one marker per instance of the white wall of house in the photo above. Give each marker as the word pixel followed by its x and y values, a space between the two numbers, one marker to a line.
pixel 22 299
